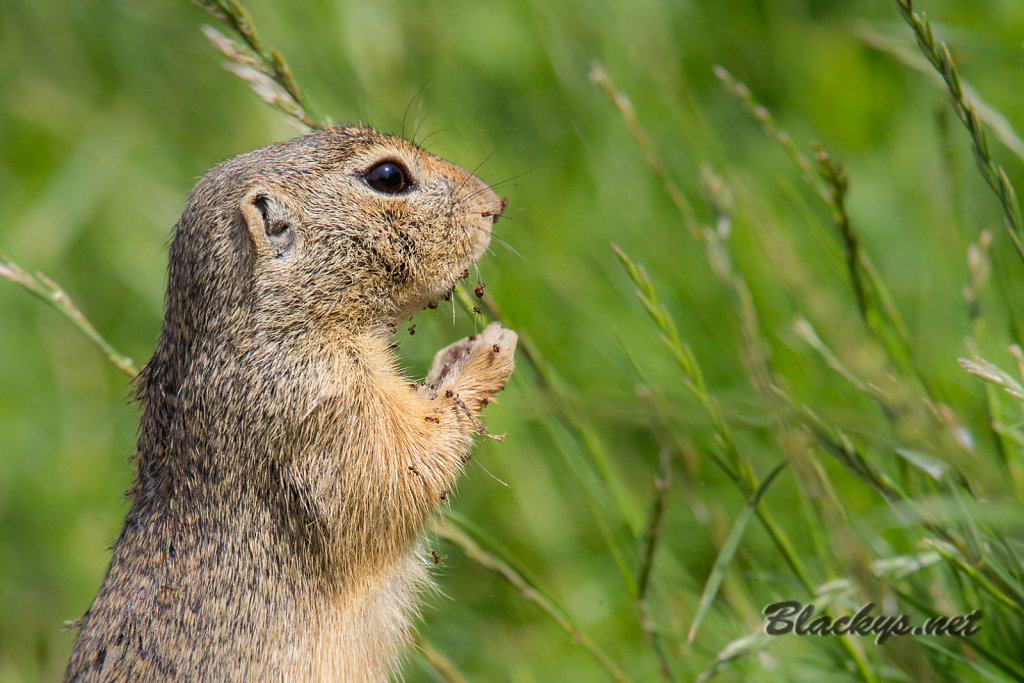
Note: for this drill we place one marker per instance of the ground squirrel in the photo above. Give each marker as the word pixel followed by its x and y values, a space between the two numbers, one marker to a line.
pixel 285 466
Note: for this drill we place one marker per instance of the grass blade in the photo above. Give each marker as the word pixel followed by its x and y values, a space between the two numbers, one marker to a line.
pixel 452 533
pixel 725 555
pixel 49 291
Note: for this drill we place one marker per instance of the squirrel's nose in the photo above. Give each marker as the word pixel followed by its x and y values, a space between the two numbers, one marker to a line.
pixel 501 209
pixel 496 214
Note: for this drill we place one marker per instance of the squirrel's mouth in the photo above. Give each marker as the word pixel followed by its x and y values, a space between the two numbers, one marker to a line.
pixel 475 229
pixel 431 295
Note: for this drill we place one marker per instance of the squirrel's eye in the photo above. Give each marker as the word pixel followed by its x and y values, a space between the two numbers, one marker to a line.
pixel 388 177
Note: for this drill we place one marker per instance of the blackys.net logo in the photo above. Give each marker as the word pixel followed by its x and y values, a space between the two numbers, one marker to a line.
pixel 792 617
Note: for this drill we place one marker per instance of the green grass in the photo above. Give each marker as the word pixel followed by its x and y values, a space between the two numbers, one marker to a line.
pixel 756 394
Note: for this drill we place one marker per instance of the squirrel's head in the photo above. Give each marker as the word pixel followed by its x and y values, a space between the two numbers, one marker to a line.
pixel 343 228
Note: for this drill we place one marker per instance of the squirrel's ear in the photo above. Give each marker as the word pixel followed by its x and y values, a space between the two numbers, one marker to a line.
pixel 271 225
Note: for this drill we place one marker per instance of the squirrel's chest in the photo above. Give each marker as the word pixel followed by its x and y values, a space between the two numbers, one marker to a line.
pixel 359 636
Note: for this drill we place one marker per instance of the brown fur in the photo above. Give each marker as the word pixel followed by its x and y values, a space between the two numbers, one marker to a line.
pixel 285 466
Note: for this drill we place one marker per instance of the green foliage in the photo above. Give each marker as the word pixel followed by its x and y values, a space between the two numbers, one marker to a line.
pixel 794 377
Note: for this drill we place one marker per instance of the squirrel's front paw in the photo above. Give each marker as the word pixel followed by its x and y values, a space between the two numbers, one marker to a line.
pixel 476 368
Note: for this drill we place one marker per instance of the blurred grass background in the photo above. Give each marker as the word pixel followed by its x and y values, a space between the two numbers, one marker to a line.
pixel 111 111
